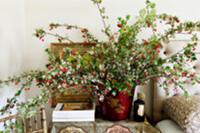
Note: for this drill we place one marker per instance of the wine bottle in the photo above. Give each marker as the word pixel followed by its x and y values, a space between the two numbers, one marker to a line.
pixel 138 109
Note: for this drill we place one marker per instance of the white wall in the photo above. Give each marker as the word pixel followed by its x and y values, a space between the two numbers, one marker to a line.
pixel 11 43
pixel 39 13
pixel 11 40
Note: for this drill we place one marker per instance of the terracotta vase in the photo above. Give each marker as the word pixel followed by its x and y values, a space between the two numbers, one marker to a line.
pixel 116 107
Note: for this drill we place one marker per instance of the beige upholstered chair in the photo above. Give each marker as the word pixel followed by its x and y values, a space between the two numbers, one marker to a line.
pixel 36 124
pixel 159 94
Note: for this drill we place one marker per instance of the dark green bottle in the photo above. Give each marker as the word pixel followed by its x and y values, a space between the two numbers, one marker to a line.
pixel 138 108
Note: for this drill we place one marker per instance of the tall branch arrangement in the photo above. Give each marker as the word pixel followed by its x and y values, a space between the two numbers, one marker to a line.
pixel 119 64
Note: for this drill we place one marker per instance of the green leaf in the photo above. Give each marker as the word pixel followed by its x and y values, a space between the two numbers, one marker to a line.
pixel 128 17
pixel 153 5
pixel 120 88
pixel 18 93
pixel 186 94
pixel 161 61
pixel 194 57
pixel 142 13
pixel 32 113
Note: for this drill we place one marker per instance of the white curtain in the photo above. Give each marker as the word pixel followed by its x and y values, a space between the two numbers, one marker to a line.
pixel 11 43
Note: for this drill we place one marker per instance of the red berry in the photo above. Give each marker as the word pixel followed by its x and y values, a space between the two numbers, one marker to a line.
pixel 73 53
pixel 64 70
pixel 27 89
pixel 119 25
pixel 157 46
pixel 177 20
pixel 66 85
pixel 143 57
pixel 50 67
pixel 184 74
pixel 148 24
pixel 84 30
pixel 145 42
pixel 12 106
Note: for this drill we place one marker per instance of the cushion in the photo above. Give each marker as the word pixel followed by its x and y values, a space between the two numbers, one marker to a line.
pixel 168 126
pixel 185 111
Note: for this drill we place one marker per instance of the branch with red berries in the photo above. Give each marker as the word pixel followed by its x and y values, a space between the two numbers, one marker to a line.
pixel 86 35
pixel 120 63
pixel 25 81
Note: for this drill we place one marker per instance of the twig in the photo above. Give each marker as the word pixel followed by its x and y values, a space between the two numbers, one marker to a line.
pixel 56 35
pixel 104 23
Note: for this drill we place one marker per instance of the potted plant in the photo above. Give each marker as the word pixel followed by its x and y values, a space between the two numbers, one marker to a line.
pixel 112 69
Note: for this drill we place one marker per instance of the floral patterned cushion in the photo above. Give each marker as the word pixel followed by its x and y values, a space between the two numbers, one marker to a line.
pixel 185 112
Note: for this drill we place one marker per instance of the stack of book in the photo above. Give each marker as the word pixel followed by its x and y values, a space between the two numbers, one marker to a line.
pixel 74 112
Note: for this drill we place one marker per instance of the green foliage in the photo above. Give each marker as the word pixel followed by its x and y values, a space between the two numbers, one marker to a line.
pixel 120 63
pixel 16 126
pixel 97 1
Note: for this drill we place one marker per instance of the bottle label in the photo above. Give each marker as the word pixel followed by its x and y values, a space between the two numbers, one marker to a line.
pixel 141 110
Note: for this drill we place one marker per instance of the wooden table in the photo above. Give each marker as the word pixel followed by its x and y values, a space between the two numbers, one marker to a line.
pixel 103 126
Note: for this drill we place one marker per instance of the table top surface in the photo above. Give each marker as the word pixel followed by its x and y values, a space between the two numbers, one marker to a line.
pixel 143 126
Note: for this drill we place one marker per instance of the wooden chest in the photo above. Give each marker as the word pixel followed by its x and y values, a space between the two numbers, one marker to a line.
pixel 57 49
